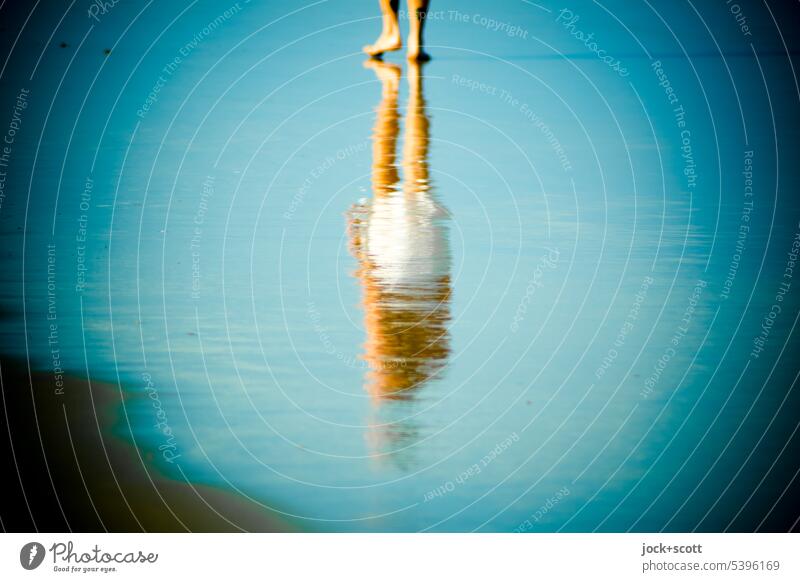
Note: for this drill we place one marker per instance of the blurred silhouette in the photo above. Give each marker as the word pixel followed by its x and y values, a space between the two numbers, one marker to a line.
pixel 401 242
pixel 389 40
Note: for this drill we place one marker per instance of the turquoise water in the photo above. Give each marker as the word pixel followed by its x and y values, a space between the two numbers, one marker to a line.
pixel 515 297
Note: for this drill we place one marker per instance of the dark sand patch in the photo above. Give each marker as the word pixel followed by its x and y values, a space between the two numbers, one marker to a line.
pixel 68 475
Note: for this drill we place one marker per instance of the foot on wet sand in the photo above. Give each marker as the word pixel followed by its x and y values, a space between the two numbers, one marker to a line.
pixel 418 56
pixel 385 43
pixel 388 73
pixel 416 52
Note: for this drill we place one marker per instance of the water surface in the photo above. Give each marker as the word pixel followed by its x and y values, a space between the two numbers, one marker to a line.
pixel 506 290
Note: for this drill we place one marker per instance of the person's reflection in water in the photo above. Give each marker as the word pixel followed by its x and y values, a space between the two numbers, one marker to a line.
pixel 401 242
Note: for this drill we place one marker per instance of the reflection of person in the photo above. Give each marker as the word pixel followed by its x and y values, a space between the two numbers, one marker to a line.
pixel 389 40
pixel 400 240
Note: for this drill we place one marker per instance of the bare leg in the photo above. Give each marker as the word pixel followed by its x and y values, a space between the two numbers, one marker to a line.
pixel 389 40
pixel 415 137
pixel 385 175
pixel 417 12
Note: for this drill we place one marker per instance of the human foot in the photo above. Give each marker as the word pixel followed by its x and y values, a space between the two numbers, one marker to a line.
pixel 387 73
pixel 415 51
pixel 419 56
pixel 385 43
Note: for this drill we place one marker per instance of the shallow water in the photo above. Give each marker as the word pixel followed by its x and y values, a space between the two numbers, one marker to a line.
pixel 502 292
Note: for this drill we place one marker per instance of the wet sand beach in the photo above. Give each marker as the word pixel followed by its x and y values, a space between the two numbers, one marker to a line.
pixel 82 477
pixel 544 282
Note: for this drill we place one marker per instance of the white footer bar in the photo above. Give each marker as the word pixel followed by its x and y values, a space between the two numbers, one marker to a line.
pixel 406 557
